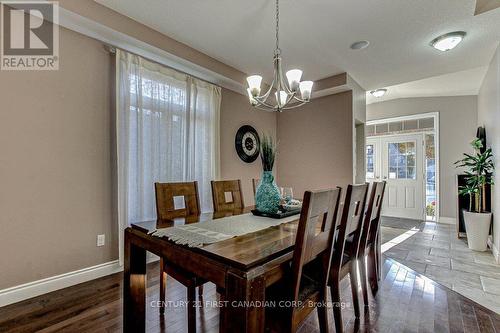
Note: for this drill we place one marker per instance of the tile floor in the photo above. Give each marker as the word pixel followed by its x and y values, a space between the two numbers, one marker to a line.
pixel 434 250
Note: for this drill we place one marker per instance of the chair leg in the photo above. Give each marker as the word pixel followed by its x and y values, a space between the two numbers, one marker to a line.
pixel 370 263
pixel 372 270
pixel 200 291
pixel 363 282
pixel 191 296
pixel 323 315
pixel 353 274
pixel 163 286
pixel 337 309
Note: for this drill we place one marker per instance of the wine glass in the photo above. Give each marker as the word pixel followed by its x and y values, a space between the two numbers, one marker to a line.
pixel 287 194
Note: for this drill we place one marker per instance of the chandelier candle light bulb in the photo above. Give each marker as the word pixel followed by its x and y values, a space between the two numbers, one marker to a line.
pixel 252 100
pixel 305 89
pixel 289 94
pixel 293 77
pixel 283 96
pixel 254 83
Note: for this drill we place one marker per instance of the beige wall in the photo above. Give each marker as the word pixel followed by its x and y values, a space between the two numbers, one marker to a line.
pixel 457 120
pixel 57 162
pixel 236 111
pixel 489 116
pixel 315 144
pixel 55 169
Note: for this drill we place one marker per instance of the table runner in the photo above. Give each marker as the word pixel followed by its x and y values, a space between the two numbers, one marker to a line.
pixel 203 233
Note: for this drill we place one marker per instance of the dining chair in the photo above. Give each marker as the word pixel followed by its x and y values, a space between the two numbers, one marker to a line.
pixel 255 184
pixel 368 248
pixel 186 194
pixel 345 250
pixel 313 242
pixel 227 195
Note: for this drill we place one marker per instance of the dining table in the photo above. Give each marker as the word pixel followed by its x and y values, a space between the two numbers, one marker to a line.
pixel 241 268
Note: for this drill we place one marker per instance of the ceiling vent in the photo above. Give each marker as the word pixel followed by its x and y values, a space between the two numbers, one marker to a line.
pixel 483 6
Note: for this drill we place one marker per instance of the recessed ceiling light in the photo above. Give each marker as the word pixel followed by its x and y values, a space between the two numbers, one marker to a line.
pixel 448 41
pixel 363 44
pixel 378 92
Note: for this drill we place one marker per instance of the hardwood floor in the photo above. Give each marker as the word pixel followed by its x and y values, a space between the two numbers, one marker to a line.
pixel 406 302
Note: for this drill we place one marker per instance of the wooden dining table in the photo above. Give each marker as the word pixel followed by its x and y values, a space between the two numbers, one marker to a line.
pixel 240 267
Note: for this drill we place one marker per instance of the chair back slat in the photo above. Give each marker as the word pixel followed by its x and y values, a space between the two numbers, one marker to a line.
pixel 165 194
pixel 223 188
pixel 351 223
pixel 255 183
pixel 315 233
pixel 378 197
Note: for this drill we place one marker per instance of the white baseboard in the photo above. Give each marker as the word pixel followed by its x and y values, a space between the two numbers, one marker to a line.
pixel 53 283
pixel 447 220
pixel 494 249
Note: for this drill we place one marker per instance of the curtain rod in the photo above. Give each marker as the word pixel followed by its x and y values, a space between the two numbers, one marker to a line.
pixel 112 49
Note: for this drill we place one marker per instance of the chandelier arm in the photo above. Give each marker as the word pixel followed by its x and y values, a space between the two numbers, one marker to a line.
pixel 299 99
pixel 281 78
pixel 289 99
pixel 263 98
pixel 293 106
pixel 265 104
pixel 268 109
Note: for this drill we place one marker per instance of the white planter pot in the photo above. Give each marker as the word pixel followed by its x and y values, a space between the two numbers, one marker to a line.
pixel 477 226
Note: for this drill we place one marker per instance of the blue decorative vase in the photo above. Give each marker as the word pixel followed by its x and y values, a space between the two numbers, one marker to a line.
pixel 267 196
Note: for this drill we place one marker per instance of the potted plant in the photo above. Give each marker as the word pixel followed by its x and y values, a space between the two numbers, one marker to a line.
pixel 267 195
pixel 479 167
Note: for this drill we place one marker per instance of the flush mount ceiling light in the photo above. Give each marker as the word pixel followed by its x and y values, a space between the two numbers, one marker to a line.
pixel 448 41
pixel 363 44
pixel 291 94
pixel 378 92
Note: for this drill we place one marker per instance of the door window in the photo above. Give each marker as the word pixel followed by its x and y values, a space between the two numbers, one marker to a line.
pixel 370 161
pixel 402 156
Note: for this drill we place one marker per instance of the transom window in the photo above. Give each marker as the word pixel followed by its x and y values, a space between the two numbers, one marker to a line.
pixel 402 157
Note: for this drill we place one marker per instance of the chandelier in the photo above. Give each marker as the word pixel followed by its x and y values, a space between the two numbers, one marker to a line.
pixel 287 95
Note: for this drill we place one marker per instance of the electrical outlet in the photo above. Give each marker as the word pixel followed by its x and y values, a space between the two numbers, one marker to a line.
pixel 100 240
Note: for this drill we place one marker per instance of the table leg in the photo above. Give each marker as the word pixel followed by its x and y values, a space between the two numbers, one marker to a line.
pixel 134 287
pixel 244 311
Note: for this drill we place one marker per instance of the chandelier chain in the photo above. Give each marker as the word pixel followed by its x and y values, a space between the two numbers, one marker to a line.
pixel 277 51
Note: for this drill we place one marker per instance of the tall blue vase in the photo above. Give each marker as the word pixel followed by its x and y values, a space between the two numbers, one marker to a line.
pixel 267 196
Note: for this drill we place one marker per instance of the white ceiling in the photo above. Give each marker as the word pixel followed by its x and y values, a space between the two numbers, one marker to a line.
pixel 316 35
pixel 461 83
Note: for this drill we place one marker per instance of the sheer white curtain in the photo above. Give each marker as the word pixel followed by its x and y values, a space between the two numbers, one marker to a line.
pixel 167 131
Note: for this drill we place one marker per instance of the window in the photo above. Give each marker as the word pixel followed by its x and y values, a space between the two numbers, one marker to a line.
pixel 168 127
pixel 430 177
pixel 402 157
pixel 370 162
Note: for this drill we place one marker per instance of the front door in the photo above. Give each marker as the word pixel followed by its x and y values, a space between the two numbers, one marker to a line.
pixel 398 160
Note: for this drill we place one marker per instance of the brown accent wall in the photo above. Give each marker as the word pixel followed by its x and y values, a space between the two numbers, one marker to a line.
pixel 236 112
pixel 315 144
